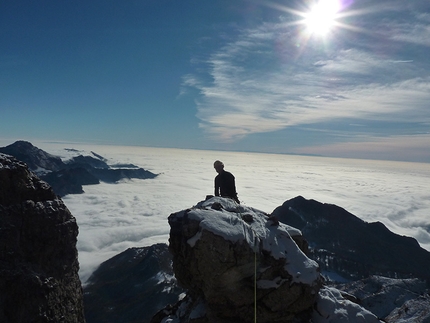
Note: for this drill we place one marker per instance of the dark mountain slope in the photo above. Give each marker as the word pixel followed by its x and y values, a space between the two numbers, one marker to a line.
pixel 132 286
pixel 355 249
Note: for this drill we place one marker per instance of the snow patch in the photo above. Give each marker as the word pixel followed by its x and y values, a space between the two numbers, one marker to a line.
pixel 332 307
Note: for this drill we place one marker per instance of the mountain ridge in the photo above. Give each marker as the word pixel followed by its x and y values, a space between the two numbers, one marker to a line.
pixel 69 177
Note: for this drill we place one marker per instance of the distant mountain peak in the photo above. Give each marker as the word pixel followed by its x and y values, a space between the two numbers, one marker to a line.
pixel 69 177
pixel 36 159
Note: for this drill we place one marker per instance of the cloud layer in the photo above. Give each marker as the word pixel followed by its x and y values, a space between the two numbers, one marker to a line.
pixel 114 217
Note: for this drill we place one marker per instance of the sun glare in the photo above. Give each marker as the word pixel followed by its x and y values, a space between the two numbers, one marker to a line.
pixel 322 17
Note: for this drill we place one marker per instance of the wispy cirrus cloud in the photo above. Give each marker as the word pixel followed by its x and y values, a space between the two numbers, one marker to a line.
pixel 273 76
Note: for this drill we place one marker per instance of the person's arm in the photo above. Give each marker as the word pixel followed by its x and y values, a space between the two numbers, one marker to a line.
pixel 216 186
pixel 234 192
pixel 233 185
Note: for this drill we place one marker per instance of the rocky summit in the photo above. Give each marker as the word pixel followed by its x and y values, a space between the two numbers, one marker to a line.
pixel 239 264
pixel 39 266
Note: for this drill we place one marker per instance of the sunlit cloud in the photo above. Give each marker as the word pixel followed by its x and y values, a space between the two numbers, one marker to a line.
pixel 274 76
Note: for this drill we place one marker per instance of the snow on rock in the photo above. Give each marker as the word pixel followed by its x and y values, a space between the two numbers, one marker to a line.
pixel 331 307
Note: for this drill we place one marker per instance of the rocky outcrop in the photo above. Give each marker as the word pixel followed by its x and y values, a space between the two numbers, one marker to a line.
pixel 132 286
pixel 68 177
pixel 39 279
pixel 240 264
pixel 350 247
pixel 228 255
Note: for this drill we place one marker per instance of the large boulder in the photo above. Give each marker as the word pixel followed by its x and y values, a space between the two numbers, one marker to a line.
pixel 237 262
pixel 39 266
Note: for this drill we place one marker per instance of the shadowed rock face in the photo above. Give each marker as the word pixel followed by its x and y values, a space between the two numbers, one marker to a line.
pixel 132 286
pixel 342 243
pixel 38 257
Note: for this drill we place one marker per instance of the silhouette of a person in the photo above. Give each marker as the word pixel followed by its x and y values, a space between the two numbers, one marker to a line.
pixel 225 185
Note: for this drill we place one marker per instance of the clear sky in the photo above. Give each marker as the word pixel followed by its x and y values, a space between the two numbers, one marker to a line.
pixel 347 78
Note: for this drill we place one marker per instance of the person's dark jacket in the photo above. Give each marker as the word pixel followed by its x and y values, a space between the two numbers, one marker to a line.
pixel 225 185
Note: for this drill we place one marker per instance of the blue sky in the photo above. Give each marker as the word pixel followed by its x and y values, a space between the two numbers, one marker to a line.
pixel 224 75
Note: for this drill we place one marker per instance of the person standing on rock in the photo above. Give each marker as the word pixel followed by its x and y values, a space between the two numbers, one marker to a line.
pixel 225 185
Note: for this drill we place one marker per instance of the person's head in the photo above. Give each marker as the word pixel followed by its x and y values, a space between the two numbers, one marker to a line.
pixel 219 166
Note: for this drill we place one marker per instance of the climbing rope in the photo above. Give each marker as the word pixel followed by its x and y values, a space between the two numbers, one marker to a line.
pixel 255 274
pixel 255 264
pixel 255 286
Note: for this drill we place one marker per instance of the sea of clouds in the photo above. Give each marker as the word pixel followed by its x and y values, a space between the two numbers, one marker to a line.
pixel 133 213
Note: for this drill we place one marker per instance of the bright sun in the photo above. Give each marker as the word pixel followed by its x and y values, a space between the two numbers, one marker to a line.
pixel 322 16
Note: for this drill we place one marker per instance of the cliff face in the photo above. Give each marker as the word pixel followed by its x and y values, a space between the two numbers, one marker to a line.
pixel 39 279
